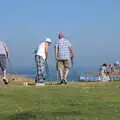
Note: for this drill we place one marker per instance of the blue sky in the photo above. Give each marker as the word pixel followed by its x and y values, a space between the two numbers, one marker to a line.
pixel 93 27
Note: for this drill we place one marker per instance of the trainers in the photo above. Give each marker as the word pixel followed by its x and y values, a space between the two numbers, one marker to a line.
pixel 5 80
pixel 40 84
pixel 65 82
pixel 62 81
pixel 59 83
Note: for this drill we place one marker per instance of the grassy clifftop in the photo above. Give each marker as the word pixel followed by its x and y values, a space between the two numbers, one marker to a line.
pixel 76 101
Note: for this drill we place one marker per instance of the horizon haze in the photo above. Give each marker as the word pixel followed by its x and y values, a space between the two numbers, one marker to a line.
pixel 93 27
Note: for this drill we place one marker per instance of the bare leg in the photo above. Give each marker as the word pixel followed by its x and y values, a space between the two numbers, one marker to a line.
pixel 61 73
pixel 66 71
pixel 5 80
pixel 4 74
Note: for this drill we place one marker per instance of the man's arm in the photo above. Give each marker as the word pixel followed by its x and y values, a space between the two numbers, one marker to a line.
pixel 71 50
pixel 71 54
pixel 6 49
pixel 46 50
pixel 56 52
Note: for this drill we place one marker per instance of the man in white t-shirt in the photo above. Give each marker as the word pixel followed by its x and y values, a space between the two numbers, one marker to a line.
pixel 104 73
pixel 41 55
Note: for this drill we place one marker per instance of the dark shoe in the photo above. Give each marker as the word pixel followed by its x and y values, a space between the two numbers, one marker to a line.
pixel 65 82
pixel 5 81
pixel 61 82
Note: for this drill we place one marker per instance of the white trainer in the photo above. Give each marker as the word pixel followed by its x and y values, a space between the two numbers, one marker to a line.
pixel 5 80
pixel 40 84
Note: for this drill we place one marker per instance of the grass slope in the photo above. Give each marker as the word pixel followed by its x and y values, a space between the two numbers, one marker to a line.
pixel 76 101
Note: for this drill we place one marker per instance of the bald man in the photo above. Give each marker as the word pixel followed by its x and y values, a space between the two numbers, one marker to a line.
pixel 63 54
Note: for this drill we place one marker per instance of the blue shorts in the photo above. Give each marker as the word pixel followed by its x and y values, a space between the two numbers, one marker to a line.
pixel 3 62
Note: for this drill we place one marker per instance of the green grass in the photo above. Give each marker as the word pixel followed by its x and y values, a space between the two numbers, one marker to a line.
pixel 76 101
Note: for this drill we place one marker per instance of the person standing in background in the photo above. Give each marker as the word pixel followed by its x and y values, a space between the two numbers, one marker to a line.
pixel 41 55
pixel 4 60
pixel 63 54
pixel 103 73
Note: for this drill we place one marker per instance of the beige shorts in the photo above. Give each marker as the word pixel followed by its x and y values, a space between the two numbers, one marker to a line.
pixel 63 64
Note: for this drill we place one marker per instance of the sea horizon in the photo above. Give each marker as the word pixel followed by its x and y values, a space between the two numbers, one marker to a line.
pixel 74 74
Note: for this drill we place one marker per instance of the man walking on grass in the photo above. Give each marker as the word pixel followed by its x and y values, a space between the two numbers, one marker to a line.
pixel 63 53
pixel 3 61
pixel 41 55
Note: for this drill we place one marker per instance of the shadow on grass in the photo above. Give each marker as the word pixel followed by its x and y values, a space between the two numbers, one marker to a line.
pixel 41 115
pixel 23 116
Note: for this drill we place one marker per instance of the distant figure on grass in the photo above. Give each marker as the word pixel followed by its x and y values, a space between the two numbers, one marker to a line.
pixel 41 55
pixel 63 54
pixel 116 67
pixel 104 73
pixel 3 60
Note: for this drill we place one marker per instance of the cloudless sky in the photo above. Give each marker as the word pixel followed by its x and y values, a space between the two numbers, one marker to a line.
pixel 92 26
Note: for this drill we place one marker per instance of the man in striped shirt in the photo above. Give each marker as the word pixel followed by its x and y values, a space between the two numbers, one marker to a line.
pixel 3 60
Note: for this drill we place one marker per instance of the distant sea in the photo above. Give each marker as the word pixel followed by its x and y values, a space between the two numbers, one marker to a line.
pixel 74 74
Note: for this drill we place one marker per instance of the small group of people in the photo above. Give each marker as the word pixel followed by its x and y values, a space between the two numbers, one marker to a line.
pixel 63 55
pixel 107 70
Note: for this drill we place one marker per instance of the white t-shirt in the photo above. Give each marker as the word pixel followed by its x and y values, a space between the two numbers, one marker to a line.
pixel 103 69
pixel 41 50
pixel 3 47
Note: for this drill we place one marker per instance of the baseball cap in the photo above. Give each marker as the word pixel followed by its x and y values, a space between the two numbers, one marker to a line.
pixel 48 40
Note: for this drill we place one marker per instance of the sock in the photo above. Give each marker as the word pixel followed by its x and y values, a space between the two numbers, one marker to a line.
pixel 4 77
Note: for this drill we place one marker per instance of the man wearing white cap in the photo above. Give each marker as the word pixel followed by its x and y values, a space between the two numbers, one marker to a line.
pixel 41 55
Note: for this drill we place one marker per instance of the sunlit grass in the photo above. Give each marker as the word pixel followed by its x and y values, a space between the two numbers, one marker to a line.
pixel 76 101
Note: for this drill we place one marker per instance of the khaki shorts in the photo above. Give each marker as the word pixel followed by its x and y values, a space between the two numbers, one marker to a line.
pixel 63 64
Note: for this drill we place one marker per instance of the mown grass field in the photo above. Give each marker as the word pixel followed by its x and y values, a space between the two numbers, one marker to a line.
pixel 76 101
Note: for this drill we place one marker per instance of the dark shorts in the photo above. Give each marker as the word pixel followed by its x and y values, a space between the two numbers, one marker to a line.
pixel 3 62
pixel 63 64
